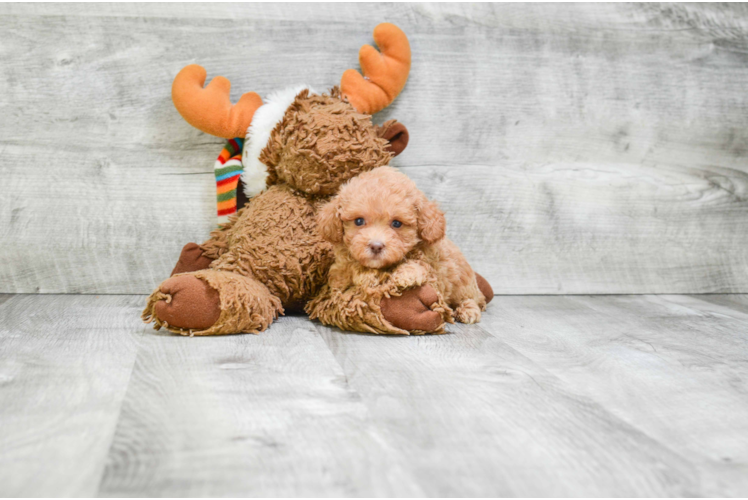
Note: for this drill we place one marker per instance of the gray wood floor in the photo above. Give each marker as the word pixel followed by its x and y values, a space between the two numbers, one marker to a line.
pixel 548 395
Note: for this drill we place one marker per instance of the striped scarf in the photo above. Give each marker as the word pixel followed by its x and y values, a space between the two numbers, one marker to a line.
pixel 228 170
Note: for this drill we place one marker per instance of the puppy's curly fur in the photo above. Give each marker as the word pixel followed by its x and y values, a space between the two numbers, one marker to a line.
pixel 381 223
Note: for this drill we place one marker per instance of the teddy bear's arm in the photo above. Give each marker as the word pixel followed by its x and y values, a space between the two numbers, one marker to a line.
pixel 217 244
pixel 401 301
pixel 196 257
pixel 351 309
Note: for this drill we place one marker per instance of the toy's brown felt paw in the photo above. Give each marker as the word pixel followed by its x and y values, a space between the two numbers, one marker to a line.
pixel 484 287
pixel 189 303
pixel 191 259
pixel 412 310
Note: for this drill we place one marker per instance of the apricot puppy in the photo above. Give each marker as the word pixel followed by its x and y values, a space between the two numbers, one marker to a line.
pixel 379 220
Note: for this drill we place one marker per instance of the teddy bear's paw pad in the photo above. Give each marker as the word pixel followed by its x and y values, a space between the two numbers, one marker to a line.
pixel 193 304
pixel 412 310
pixel 468 312
pixel 191 259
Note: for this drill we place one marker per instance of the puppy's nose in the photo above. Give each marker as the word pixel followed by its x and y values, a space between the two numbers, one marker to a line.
pixel 376 247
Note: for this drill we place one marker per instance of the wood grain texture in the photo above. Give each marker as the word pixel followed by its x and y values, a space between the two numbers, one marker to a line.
pixel 674 367
pixel 547 396
pixel 579 148
pixel 478 418
pixel 247 415
pixel 732 301
pixel 65 363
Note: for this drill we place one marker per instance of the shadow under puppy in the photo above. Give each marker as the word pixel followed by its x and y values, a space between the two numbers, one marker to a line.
pixel 388 239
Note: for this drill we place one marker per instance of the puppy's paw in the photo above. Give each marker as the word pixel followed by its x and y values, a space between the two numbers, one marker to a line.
pixel 468 312
pixel 410 274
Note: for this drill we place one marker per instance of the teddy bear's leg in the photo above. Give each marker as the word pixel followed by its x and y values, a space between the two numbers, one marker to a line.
pixel 196 257
pixel 416 310
pixel 412 310
pixel 211 302
pixel 191 259
pixel 186 302
pixel 484 287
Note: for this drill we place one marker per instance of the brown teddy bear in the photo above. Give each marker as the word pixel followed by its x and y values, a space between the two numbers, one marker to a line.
pixel 300 147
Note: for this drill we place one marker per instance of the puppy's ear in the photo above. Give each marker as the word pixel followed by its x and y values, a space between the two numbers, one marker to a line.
pixel 431 222
pixel 328 220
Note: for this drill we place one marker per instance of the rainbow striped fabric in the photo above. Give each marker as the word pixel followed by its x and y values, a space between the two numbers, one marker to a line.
pixel 228 171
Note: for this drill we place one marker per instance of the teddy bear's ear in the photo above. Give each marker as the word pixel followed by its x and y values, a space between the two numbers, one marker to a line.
pixel 329 223
pixel 431 222
pixel 396 134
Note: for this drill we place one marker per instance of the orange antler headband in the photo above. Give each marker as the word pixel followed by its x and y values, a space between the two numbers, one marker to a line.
pixel 209 109
pixel 385 74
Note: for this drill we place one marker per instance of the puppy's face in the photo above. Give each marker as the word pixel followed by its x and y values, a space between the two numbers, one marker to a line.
pixel 380 216
pixel 379 233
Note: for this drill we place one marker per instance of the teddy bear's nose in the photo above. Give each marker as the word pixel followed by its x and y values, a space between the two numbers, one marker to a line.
pixel 376 247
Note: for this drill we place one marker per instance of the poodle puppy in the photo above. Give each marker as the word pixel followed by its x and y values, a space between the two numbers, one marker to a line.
pixel 381 224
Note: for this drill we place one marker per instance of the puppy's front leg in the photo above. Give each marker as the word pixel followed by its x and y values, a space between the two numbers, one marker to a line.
pixel 468 312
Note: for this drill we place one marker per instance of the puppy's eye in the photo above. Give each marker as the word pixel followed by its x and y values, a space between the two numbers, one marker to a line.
pixel 396 224
pixel 359 221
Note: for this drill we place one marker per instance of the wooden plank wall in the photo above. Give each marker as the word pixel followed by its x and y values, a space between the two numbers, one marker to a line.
pixel 588 148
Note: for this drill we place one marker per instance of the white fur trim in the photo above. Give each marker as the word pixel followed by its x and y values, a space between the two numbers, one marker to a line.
pixel 264 121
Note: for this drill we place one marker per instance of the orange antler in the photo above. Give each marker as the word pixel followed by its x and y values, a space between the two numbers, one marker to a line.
pixel 385 74
pixel 209 109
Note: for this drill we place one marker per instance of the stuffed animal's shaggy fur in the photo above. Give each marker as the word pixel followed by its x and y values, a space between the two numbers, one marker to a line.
pixel 323 130
pixel 299 148
pixel 270 256
pixel 388 237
